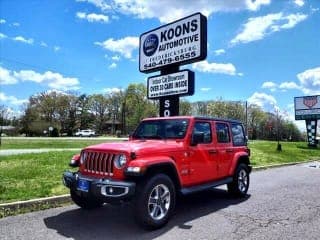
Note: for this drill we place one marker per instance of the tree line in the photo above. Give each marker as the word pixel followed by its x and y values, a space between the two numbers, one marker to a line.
pixel 118 113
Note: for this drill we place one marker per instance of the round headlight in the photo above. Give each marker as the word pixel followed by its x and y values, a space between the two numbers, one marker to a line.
pixel 120 161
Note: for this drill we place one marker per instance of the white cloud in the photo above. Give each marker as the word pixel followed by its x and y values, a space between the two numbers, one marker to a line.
pixel 270 85
pixel 23 40
pixel 112 90
pixel 93 17
pixel 205 89
pixel 124 46
pixel 259 27
pixel 16 24
pixel 2 21
pixel 56 48
pixel 299 3
pixel 116 58
pixel 289 85
pixel 43 44
pixel 53 80
pixel 310 81
pixel 11 100
pixel 112 66
pixel 169 10
pixel 219 52
pixel 2 36
pixel 263 100
pixel 98 3
pixel 6 77
pixel 223 68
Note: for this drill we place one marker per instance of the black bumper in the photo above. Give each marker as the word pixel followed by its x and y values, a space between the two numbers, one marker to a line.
pixel 103 189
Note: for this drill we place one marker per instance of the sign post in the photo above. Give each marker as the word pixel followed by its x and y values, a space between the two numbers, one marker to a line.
pixel 167 48
pixel 308 108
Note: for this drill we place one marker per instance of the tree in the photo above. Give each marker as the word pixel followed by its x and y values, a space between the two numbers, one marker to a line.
pixel 99 106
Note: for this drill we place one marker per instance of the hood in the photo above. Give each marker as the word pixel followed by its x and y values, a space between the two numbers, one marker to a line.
pixel 140 147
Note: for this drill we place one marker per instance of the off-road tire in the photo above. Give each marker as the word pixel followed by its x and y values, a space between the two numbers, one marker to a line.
pixel 87 203
pixel 154 201
pixel 240 183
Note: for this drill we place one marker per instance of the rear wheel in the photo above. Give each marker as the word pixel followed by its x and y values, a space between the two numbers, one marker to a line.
pixel 85 202
pixel 241 180
pixel 154 201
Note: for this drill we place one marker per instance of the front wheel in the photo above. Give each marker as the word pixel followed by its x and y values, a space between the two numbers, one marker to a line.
pixel 85 202
pixel 154 201
pixel 241 180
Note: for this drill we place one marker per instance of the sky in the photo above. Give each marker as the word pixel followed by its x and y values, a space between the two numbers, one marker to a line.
pixel 262 51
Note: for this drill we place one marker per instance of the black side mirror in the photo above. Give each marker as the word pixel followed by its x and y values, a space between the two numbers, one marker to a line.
pixel 197 137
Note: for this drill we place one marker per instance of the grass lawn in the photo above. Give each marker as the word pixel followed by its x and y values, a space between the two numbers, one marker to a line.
pixel 29 143
pixel 29 176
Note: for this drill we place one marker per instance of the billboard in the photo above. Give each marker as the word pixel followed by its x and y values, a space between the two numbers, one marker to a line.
pixel 181 42
pixel 180 83
pixel 307 107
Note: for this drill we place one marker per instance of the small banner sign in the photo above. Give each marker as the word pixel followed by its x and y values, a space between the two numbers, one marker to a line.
pixel 180 83
pixel 307 107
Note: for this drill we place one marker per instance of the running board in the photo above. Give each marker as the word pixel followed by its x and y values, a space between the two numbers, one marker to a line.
pixel 206 186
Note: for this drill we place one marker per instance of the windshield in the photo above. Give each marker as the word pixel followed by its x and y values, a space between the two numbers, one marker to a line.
pixel 162 129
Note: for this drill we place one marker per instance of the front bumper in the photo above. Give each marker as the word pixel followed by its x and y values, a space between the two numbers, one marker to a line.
pixel 103 189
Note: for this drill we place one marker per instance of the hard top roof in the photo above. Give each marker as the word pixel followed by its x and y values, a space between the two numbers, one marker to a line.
pixel 204 118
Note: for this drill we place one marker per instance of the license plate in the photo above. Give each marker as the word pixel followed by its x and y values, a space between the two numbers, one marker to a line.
pixel 83 185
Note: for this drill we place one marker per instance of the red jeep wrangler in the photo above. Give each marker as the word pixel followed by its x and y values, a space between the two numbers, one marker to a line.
pixel 163 157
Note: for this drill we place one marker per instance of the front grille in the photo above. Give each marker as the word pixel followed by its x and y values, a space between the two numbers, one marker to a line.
pixel 98 163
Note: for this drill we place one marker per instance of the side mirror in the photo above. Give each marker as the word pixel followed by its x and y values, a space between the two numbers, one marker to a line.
pixel 197 137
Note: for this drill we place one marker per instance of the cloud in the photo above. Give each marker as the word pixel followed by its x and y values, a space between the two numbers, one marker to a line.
pixel 263 100
pixel 2 21
pixel 116 58
pixel 2 36
pixel 53 80
pixel 270 85
pixel 56 48
pixel 43 44
pixel 98 3
pixel 223 68
pixel 16 24
pixel 205 89
pixel 259 27
pixel 112 90
pixel 93 17
pixel 11 100
pixel 299 3
pixel 23 40
pixel 289 85
pixel 124 46
pixel 219 52
pixel 112 66
pixel 6 77
pixel 310 81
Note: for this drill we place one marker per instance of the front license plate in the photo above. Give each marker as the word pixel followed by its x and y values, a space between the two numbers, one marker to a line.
pixel 83 185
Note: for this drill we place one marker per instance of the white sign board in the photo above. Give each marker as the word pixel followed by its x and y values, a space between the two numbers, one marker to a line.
pixel 307 107
pixel 181 42
pixel 179 83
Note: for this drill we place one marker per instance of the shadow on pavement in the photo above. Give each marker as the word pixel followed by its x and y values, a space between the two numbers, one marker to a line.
pixel 117 222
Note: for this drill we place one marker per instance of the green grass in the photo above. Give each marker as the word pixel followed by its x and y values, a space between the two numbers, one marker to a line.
pixel 29 176
pixel 29 143
pixel 265 153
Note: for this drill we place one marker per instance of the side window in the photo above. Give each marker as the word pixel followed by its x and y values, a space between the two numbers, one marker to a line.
pixel 203 129
pixel 222 130
pixel 238 136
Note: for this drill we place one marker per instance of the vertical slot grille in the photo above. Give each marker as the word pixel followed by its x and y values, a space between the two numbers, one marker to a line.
pixel 99 163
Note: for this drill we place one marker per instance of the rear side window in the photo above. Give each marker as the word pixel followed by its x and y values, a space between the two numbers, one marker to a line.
pixel 238 136
pixel 222 131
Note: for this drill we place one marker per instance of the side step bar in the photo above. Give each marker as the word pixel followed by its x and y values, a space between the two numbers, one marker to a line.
pixel 198 188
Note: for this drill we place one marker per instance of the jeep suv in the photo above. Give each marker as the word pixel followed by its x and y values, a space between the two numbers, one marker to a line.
pixel 164 157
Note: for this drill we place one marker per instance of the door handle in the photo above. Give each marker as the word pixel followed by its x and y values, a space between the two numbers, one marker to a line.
pixel 213 151
pixel 229 150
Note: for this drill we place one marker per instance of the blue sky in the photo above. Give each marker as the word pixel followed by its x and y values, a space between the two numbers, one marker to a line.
pixel 263 51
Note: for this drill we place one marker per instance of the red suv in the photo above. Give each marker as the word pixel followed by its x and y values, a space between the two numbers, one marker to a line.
pixel 163 157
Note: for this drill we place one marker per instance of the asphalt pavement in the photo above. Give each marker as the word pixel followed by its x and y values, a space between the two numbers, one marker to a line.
pixel 283 203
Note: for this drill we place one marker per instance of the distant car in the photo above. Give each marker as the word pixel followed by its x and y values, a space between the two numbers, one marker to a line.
pixel 85 133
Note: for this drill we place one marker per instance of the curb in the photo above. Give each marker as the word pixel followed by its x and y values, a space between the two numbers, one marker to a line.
pixel 14 208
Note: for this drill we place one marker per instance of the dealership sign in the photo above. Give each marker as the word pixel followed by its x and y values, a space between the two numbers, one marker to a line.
pixel 179 83
pixel 307 107
pixel 181 42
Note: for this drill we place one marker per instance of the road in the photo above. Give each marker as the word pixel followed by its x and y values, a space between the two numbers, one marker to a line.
pixel 284 203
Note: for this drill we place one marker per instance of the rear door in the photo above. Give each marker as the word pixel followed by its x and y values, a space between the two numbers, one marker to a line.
pixel 224 148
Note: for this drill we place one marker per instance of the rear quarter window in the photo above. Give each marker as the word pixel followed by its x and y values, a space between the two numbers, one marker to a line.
pixel 238 136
